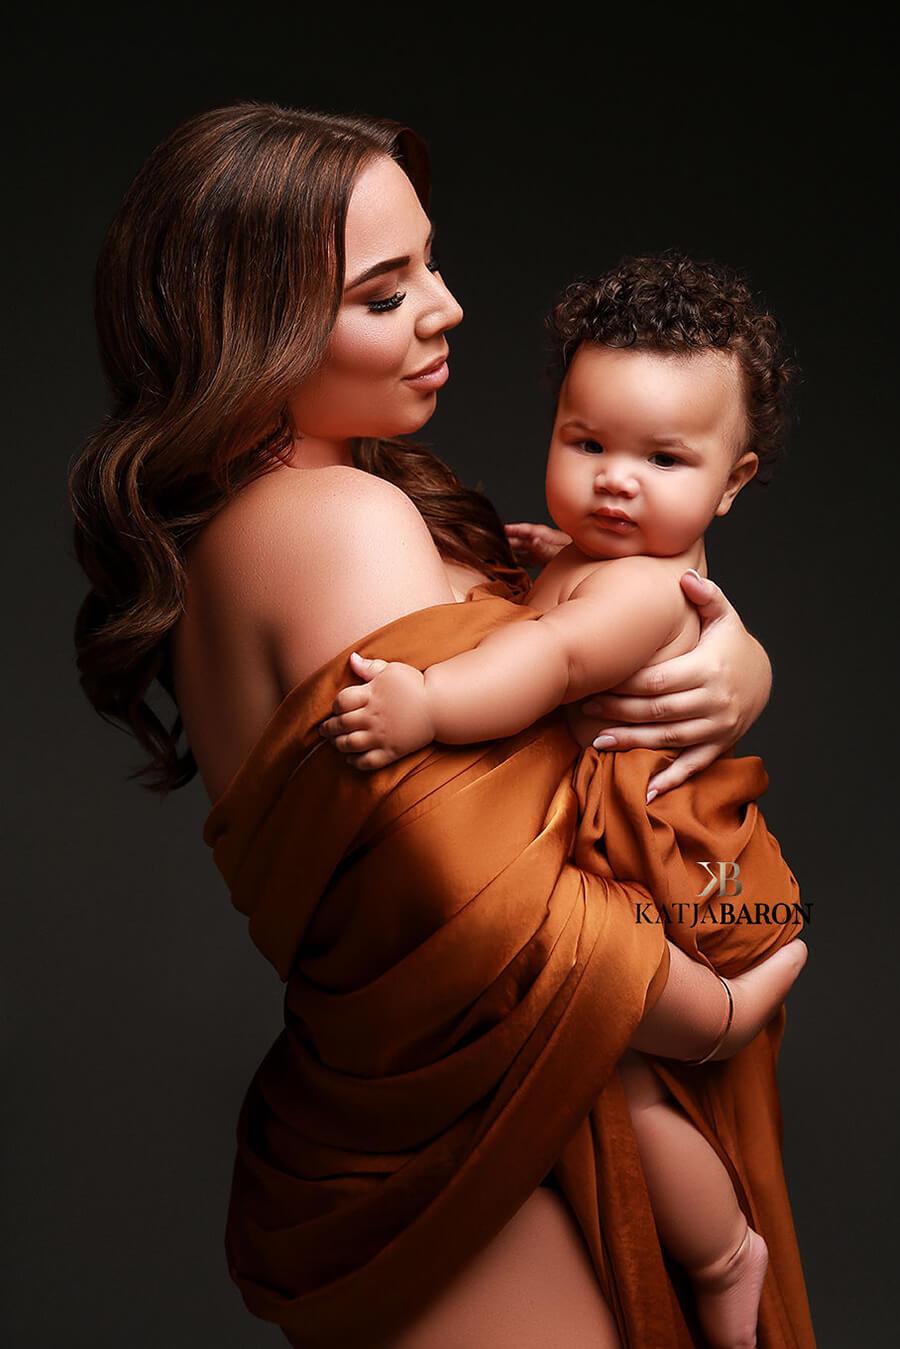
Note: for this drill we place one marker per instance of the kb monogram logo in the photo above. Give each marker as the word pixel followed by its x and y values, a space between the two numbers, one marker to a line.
pixel 720 874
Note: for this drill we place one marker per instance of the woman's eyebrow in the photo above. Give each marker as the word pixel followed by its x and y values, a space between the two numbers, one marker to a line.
pixel 389 265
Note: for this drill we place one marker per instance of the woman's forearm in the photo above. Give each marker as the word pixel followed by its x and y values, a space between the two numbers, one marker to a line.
pixel 692 1011
pixel 689 1014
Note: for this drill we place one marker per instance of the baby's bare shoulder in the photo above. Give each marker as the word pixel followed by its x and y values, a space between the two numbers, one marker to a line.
pixel 633 572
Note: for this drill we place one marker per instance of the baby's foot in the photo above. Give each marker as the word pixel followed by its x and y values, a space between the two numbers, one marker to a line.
pixel 728 1292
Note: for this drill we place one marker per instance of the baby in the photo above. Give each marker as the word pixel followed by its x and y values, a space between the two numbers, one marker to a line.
pixel 669 402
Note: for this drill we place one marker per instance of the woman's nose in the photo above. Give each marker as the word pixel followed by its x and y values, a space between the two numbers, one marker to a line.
pixel 442 313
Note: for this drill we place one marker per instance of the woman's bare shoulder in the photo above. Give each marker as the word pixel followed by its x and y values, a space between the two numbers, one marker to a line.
pixel 302 494
pixel 293 522
pixel 314 559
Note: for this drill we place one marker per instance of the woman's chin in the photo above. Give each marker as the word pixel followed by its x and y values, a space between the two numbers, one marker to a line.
pixel 417 417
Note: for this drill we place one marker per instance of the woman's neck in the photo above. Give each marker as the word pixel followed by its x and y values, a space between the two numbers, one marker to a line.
pixel 310 452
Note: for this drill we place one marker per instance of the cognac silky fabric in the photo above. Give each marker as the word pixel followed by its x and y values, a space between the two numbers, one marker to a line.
pixel 458 992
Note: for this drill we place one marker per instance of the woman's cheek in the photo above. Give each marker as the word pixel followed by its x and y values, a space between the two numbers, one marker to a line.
pixel 368 347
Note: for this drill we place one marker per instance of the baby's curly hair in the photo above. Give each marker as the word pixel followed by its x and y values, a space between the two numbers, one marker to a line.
pixel 669 302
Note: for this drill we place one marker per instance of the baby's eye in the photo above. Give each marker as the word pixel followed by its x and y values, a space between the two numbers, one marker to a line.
pixel 673 459
pixel 591 446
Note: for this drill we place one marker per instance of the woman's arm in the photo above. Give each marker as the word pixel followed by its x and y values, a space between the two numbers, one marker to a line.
pixel 613 622
pixel 690 1015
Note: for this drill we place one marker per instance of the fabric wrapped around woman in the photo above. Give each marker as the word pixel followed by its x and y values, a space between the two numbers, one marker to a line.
pixel 466 951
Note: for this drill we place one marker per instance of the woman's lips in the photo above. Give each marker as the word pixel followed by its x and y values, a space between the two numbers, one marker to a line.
pixel 433 379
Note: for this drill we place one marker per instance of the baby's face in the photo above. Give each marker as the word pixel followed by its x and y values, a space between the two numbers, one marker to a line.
pixel 653 436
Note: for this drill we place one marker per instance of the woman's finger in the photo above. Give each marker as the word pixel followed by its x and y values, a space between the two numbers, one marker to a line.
pixel 707 597
pixel 652 707
pixel 664 735
pixel 679 674
pixel 689 762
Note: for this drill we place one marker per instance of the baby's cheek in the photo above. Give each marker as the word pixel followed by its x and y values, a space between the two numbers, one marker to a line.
pixel 560 506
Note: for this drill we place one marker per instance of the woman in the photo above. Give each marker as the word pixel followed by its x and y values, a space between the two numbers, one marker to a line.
pixel 267 300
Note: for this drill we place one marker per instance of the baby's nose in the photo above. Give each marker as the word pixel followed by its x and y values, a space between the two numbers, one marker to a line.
pixel 613 478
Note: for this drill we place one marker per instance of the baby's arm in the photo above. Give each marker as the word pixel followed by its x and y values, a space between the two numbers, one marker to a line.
pixel 612 624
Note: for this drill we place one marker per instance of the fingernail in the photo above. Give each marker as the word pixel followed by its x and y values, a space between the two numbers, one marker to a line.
pixel 604 741
pixel 695 572
pixel 650 795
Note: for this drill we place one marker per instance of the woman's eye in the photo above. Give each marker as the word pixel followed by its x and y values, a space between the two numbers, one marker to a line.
pixel 382 306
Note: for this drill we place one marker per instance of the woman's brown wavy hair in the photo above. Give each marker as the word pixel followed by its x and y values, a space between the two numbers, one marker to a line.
pixel 216 289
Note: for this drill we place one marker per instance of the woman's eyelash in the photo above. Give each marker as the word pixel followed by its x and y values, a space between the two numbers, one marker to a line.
pixel 382 306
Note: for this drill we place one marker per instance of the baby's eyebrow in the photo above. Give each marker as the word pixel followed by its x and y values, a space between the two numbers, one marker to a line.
pixel 582 426
pixel 672 440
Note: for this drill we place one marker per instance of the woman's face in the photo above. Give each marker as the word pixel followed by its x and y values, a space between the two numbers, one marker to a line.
pixel 390 325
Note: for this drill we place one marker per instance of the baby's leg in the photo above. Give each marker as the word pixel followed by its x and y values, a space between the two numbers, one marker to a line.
pixel 699 1220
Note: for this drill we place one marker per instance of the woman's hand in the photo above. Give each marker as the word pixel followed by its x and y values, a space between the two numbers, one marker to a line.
pixel 700 703
pixel 535 545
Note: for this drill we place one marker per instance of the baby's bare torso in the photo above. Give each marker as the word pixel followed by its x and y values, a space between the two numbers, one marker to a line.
pixel 559 578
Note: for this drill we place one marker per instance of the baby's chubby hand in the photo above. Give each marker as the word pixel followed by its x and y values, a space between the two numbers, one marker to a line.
pixel 380 720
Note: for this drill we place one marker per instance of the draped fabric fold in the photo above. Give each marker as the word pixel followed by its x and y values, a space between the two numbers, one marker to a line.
pixel 466 951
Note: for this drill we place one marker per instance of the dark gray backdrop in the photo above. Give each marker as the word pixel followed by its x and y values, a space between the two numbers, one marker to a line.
pixel 137 1008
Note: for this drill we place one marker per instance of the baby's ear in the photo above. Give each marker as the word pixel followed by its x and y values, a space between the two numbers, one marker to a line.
pixel 740 475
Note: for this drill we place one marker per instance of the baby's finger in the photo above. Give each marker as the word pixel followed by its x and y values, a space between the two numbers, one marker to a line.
pixel 372 759
pixel 688 763
pixel 347 721
pixel 353 696
pixel 355 742
pixel 364 667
